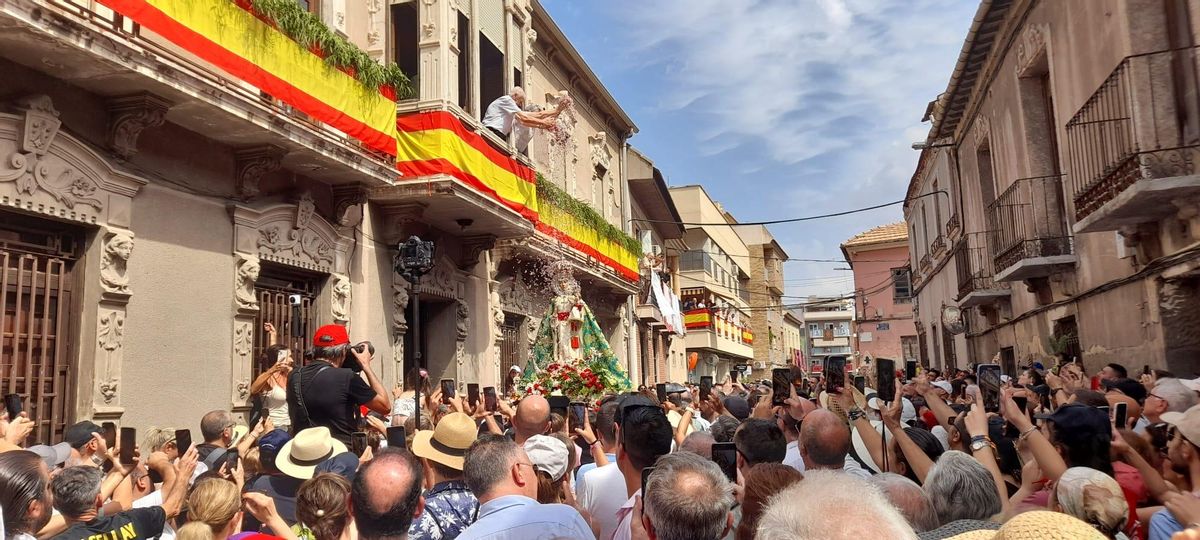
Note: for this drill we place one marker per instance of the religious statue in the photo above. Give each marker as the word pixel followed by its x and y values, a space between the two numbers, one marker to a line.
pixel 341 299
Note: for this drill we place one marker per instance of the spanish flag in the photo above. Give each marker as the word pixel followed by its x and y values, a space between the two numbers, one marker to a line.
pixel 226 34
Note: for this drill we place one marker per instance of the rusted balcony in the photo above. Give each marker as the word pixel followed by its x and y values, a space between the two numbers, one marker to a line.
pixel 926 264
pixel 1133 146
pixel 973 261
pixel 938 247
pixel 1029 237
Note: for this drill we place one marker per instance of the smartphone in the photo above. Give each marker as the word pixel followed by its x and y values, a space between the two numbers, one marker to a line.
pixel 397 437
pixel 988 376
pixel 472 394
pixel 781 386
pixel 110 434
pixel 706 383
pixel 910 370
pixel 358 443
pixel 1121 415
pixel 490 402
pixel 499 418
pixel 885 379
pixel 733 375
pixel 646 478
pixel 183 440
pixel 860 383
pixel 1022 403
pixel 447 390
pixel 12 402
pixel 1145 369
pixel 835 373
pixel 230 459
pixel 661 390
pixel 725 456
pixel 559 404
pixel 128 445
pixel 578 411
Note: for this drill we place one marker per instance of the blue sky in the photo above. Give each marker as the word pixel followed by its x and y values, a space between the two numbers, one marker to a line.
pixel 780 108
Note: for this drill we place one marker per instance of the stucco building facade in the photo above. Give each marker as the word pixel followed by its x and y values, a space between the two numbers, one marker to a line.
pixel 1065 146
pixel 766 294
pixel 882 293
pixel 157 209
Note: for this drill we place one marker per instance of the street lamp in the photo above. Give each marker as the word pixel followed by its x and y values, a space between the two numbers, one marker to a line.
pixel 415 260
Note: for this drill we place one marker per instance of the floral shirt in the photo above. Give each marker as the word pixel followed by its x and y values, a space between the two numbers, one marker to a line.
pixel 450 507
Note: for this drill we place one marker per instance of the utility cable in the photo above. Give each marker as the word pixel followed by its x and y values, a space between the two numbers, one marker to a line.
pixel 792 220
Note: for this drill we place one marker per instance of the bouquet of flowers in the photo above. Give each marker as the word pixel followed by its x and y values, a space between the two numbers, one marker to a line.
pixel 588 379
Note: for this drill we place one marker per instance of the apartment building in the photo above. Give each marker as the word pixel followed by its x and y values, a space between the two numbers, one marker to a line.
pixel 829 323
pixel 765 288
pixel 884 325
pixel 1055 197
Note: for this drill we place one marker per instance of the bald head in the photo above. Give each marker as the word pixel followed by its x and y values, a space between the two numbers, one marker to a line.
pixel 824 440
pixel 386 495
pixel 699 443
pixel 532 418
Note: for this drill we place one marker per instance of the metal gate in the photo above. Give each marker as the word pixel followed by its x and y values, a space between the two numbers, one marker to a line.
pixel 275 288
pixel 509 346
pixel 35 292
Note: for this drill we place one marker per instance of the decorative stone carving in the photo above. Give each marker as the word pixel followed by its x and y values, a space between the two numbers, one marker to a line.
pixel 399 304
pixel 980 129
pixel 113 260
pixel 111 331
pixel 252 164
pixel 374 22
pixel 1167 163
pixel 428 29
pixel 349 204
pixel 291 234
pixel 530 38
pixel 473 247
pixel 601 154
pixel 341 299
pixel 246 276
pixel 243 340
pixel 243 388
pixel 463 320
pixel 128 116
pixel 517 297
pixel 108 390
pixel 28 169
pixel 1032 43
pixel 296 242
pixel 497 312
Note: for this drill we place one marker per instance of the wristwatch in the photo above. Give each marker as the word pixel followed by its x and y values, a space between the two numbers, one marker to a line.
pixel 980 442
pixel 855 413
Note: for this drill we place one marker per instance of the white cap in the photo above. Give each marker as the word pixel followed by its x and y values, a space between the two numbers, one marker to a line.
pixel 548 455
pixel 944 386
pixel 1192 384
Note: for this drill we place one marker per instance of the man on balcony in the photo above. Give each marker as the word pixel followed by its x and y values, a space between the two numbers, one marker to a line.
pixel 505 109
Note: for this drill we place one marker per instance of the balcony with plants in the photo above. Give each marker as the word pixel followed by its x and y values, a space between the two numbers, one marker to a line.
pixel 1132 148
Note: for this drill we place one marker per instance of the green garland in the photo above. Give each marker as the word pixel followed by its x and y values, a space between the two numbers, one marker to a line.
pixel 307 29
pixel 556 196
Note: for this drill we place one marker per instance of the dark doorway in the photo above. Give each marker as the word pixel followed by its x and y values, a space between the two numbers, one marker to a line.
pixel 406 38
pixel 491 72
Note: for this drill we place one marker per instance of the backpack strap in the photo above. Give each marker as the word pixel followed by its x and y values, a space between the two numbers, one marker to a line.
pixel 301 419
pixel 214 457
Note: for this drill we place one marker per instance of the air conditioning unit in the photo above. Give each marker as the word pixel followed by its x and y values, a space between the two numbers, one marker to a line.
pixel 760 365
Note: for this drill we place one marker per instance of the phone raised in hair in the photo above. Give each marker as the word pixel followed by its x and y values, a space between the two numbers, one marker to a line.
pixel 13 404
pixel 988 376
pixel 781 386
pixel 885 379
pixel 1121 415
pixel 128 445
pixel 447 390
pixel 109 430
pixel 490 402
pixel 578 412
pixel 472 394
pixel 706 383
pixel 1145 369
pixel 559 404
pixel 661 390
pixel 910 370
pixel 835 373
pixel 183 440
pixel 860 383
pixel 733 375
pixel 646 478
pixel 358 442
pixel 397 437
pixel 725 456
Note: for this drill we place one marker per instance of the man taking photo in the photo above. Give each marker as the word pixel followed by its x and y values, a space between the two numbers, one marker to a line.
pixel 324 393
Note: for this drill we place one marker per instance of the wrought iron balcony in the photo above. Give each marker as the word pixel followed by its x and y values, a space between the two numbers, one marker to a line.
pixel 973 261
pixel 938 247
pixel 953 225
pixel 1029 236
pixel 1133 146
pixel 926 264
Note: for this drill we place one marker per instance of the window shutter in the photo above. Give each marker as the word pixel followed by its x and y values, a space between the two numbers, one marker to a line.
pixel 491 22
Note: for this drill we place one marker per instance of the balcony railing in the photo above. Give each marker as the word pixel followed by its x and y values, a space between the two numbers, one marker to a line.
pixel 953 225
pixel 938 247
pixel 1027 223
pixel 973 261
pixel 1138 125
pixel 926 264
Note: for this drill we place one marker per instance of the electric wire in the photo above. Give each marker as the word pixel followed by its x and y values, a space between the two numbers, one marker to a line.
pixel 792 220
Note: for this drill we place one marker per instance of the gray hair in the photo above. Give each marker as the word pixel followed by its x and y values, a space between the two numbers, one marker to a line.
pixel 335 354
pixel 832 505
pixel 723 428
pixel 75 490
pixel 487 462
pixel 962 488
pixel 214 423
pixel 1179 398
pixel 699 443
pixel 908 497
pixel 688 498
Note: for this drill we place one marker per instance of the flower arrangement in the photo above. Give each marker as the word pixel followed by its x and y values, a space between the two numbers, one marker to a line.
pixel 584 380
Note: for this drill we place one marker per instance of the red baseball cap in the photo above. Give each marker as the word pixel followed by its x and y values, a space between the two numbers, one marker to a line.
pixel 331 335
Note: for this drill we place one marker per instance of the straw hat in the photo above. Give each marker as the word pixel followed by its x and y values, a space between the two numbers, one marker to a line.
pixel 1038 525
pixel 301 455
pixel 448 442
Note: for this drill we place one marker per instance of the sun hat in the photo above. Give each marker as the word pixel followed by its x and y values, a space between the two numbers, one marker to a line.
pixel 548 454
pixel 301 455
pixel 1187 422
pixel 331 335
pixel 944 386
pixel 447 443
pixel 53 455
pixel 1037 525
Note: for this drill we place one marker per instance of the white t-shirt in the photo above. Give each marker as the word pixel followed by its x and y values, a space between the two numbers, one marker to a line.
pixel 793 458
pixel 602 493
pixel 501 113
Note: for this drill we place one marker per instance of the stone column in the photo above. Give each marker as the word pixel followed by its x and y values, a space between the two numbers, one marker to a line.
pixel 241 369
pixel 110 321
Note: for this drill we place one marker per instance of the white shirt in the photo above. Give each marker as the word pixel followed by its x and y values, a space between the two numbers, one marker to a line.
pixel 793 458
pixel 501 113
pixel 624 529
pixel 156 499
pixel 602 493
pixel 853 468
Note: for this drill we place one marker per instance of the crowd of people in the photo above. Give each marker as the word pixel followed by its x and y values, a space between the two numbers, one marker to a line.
pixel 323 458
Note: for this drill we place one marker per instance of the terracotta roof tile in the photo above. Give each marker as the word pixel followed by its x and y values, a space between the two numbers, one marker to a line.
pixel 893 232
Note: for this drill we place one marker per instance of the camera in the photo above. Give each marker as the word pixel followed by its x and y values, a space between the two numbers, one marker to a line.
pixel 352 362
pixel 294 299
